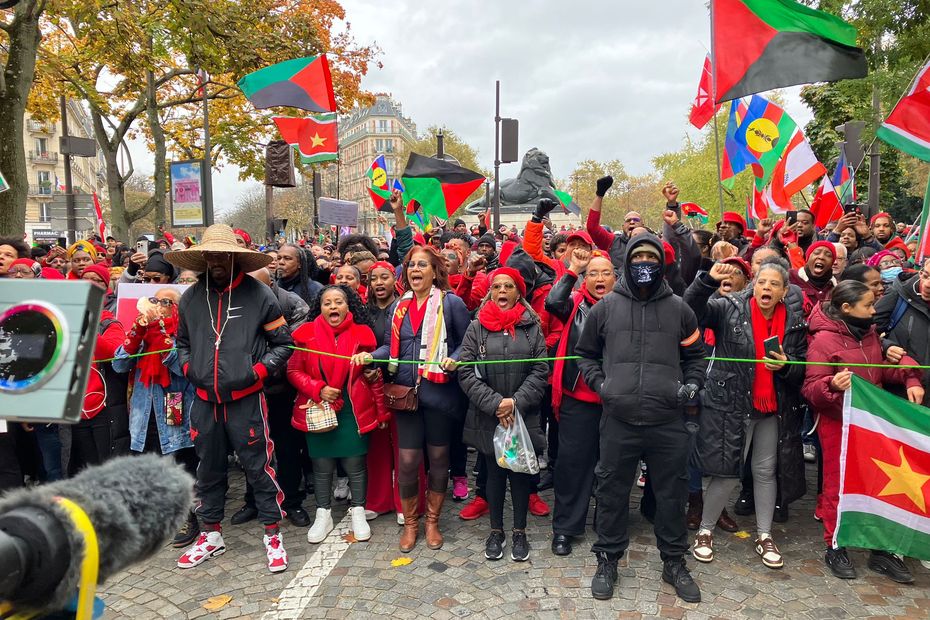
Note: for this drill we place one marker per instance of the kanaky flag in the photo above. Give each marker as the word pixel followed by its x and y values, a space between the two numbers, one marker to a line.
pixel 736 157
pixel 316 139
pixel 764 132
pixel 703 108
pixel 797 169
pixel 439 186
pixel 826 205
pixel 885 473
pixel 844 180
pixel 761 45
pixel 378 187
pixel 907 128
pixel 304 83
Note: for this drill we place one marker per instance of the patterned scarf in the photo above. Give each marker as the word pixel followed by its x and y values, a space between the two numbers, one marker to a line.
pixel 433 338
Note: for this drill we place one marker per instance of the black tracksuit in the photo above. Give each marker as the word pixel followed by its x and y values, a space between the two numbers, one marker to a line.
pixel 228 342
pixel 637 349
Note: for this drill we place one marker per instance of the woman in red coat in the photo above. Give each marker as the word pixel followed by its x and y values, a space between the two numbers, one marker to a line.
pixel 340 326
pixel 842 331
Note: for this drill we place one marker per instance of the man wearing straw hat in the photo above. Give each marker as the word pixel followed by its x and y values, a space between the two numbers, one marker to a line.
pixel 231 336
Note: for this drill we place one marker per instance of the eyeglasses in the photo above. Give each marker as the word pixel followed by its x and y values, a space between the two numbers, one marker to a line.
pixel 632 220
pixel 161 302
pixel 186 281
pixel 20 271
pixel 420 264
pixel 152 278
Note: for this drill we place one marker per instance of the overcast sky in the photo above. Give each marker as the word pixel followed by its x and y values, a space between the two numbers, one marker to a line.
pixel 587 79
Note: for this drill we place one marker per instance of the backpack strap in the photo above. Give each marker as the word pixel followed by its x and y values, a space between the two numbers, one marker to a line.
pixel 900 307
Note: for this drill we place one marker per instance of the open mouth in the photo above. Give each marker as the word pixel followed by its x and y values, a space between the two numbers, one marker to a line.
pixel 726 286
pixel 416 278
pixel 600 289
pixel 503 302
pixel 765 298
pixel 333 316
pixel 819 267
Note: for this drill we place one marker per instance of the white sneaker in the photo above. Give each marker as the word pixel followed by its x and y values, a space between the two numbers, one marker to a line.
pixel 543 461
pixel 810 453
pixel 400 518
pixel 360 528
pixel 322 526
pixel 925 564
pixel 277 556
pixel 371 515
pixel 341 492
pixel 209 544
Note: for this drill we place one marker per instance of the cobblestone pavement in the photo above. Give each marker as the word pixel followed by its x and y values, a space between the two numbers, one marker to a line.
pixel 457 581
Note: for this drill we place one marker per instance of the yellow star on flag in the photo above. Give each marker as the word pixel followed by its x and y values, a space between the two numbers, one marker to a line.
pixel 317 140
pixel 903 480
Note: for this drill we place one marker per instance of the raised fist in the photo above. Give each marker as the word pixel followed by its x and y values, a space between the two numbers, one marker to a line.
pixel 543 208
pixel 603 184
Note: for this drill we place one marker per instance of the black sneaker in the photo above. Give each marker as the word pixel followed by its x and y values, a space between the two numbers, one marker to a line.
pixel 602 585
pixel 745 504
pixel 298 517
pixel 188 533
pixel 780 515
pixel 520 549
pixel 890 565
pixel 546 479
pixel 244 515
pixel 494 545
pixel 839 563
pixel 675 572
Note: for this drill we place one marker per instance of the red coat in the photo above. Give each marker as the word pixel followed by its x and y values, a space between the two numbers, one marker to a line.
pixel 304 373
pixel 831 341
pixel 107 343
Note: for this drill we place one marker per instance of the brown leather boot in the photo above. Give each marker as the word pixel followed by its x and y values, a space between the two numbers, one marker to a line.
pixel 726 522
pixel 408 537
pixel 434 500
pixel 695 508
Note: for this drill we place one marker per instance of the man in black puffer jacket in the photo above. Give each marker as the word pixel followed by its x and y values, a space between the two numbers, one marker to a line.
pixel 641 351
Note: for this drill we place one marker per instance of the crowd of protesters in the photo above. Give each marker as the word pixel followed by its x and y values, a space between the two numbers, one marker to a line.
pixel 363 371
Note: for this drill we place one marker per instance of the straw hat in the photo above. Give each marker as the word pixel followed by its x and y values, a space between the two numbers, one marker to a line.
pixel 217 238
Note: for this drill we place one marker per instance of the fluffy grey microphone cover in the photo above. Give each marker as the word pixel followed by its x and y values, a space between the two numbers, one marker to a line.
pixel 134 502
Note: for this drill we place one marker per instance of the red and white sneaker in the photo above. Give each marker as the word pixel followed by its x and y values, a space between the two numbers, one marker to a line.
pixel 209 544
pixel 277 556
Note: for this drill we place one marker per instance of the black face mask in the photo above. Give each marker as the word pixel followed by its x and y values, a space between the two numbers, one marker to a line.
pixel 858 322
pixel 645 274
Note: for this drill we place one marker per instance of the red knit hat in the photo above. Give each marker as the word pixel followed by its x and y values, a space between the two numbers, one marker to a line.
pixel 820 244
pixel 878 215
pixel 101 270
pixel 51 274
pixel 669 253
pixel 514 275
pixel 732 217
pixel 741 263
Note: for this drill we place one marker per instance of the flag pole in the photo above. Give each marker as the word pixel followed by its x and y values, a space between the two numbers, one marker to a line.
pixel 207 159
pixel 713 91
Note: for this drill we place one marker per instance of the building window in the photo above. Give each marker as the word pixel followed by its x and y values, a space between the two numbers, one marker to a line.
pixel 379 145
pixel 45 182
pixel 41 147
pixel 389 166
pixel 383 126
pixel 45 212
pixel 389 146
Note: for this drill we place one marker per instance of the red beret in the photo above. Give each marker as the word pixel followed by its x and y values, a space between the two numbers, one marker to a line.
pixel 514 275
pixel 820 244
pixel 732 217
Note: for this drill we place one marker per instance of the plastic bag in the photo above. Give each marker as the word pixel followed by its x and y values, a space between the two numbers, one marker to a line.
pixel 513 447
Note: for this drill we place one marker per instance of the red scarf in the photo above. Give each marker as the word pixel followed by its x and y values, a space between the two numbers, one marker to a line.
pixel 335 369
pixel 152 370
pixel 562 349
pixel 763 383
pixel 496 320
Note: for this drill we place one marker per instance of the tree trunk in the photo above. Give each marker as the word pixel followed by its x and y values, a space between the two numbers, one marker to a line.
pixel 15 84
pixel 161 151
pixel 115 181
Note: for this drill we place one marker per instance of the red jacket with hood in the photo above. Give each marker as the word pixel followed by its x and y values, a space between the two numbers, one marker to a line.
pixel 831 341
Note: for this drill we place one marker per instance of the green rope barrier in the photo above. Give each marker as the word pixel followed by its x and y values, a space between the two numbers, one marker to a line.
pixel 736 360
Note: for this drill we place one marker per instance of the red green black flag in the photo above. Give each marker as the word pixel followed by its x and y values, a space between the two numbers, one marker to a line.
pixel 303 83
pixel 439 186
pixel 764 44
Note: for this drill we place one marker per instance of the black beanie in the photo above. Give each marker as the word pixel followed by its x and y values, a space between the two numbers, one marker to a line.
pixel 488 239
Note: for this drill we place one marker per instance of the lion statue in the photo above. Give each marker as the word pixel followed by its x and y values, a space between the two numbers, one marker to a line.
pixel 534 181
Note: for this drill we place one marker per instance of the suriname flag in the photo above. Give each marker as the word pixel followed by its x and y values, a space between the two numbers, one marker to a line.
pixel 884 473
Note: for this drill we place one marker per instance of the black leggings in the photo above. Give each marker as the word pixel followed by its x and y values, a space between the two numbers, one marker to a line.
pixel 323 470
pixel 520 485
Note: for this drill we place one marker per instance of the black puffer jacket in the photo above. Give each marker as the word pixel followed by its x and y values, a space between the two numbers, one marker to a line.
pixel 726 400
pixel 911 331
pixel 637 352
pixel 487 385
pixel 255 338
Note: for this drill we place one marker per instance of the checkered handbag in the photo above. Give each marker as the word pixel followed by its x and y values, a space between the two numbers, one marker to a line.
pixel 320 416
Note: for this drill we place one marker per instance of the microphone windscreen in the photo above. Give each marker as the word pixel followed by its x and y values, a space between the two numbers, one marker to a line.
pixel 134 503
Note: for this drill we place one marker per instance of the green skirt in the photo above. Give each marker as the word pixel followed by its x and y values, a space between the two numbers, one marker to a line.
pixel 341 442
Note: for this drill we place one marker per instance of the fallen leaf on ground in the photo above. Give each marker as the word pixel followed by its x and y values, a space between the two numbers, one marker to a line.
pixel 215 603
pixel 401 562
pixel 741 534
pixel 349 538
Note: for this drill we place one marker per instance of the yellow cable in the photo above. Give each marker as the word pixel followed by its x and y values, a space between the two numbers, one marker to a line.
pixel 90 563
